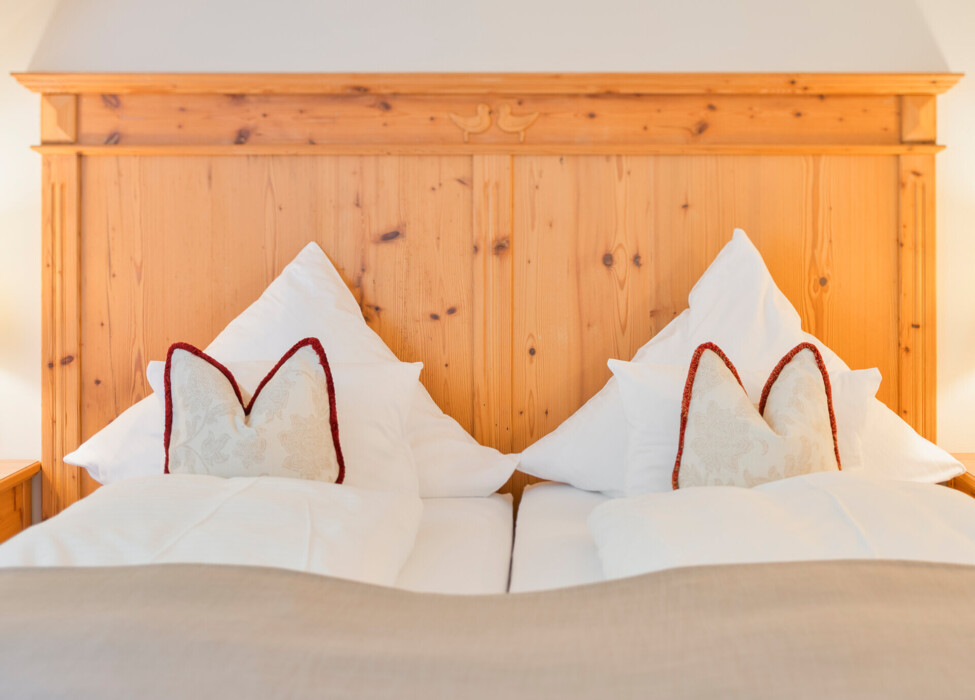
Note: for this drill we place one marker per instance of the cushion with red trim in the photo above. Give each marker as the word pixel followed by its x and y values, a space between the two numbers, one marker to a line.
pixel 373 400
pixel 726 441
pixel 652 396
pixel 288 428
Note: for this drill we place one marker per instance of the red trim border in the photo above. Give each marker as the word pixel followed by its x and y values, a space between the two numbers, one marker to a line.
pixel 313 343
pixel 685 402
pixel 786 359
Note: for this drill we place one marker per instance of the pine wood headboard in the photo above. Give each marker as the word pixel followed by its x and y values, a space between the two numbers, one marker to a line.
pixel 510 231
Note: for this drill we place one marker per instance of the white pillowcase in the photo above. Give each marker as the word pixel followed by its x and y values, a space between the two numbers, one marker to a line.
pixel 652 395
pixel 891 448
pixel 308 299
pixel 736 305
pixel 131 445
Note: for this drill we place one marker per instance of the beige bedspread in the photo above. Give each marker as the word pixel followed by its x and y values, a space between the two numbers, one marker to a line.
pixel 867 629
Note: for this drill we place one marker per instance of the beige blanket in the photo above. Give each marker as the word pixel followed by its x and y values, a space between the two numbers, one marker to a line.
pixel 868 629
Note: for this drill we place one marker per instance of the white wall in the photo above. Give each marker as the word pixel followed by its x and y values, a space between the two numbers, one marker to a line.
pixel 502 35
pixel 477 35
pixel 953 24
pixel 21 27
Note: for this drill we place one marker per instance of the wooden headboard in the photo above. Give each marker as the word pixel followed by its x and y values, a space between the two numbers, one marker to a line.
pixel 510 231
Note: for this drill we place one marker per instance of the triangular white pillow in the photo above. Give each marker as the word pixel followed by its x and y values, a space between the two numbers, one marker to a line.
pixel 736 305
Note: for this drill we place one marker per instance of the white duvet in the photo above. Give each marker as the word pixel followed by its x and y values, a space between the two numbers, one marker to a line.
pixel 831 515
pixel 296 524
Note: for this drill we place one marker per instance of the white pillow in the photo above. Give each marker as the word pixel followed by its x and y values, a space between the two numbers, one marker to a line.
pixel 373 400
pixel 652 395
pixel 736 305
pixel 131 445
pixel 891 448
pixel 308 299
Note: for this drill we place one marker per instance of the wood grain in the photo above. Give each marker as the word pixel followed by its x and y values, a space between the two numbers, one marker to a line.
pixel 135 120
pixel 628 238
pixel 182 265
pixel 469 149
pixel 493 300
pixel 486 83
pixel 59 118
pixel 917 379
pixel 918 118
pixel 513 264
pixel 15 496
pixel 61 329
pixel 12 511
pixel 16 471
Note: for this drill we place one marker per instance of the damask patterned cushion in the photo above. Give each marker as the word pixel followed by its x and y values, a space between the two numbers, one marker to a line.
pixel 288 428
pixel 727 441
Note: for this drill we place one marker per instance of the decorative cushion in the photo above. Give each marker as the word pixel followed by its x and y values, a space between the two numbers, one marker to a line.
pixel 310 298
pixel 725 441
pixel 288 428
pixel 652 396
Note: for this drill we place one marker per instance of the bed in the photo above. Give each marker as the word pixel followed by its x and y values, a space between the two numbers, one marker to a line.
pixel 463 546
pixel 553 545
pixel 511 232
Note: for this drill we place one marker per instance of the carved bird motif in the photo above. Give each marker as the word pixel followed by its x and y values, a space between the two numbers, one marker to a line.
pixel 477 124
pixel 515 123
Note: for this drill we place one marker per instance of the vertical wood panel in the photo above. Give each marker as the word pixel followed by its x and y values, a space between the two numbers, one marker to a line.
pixel 176 247
pixel 493 300
pixel 61 347
pixel 825 225
pixel 581 231
pixel 917 332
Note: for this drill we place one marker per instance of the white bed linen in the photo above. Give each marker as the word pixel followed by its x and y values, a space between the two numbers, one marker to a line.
pixel 553 545
pixel 298 524
pixel 828 515
pixel 463 547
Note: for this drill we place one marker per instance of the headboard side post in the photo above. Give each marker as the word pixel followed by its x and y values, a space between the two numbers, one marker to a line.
pixel 917 344
pixel 61 304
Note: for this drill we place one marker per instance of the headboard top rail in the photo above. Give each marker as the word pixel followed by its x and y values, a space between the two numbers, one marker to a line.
pixel 488 83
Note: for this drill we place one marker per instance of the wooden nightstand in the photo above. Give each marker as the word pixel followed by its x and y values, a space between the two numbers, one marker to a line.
pixel 965 482
pixel 15 495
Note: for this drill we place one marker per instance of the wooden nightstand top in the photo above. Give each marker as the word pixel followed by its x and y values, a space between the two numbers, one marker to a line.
pixel 15 471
